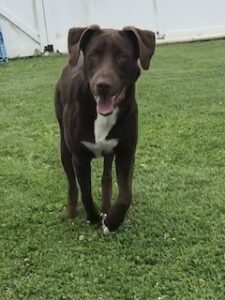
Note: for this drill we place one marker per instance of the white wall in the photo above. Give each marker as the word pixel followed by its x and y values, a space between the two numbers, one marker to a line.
pixel 42 22
pixel 191 19
pixel 18 22
pixel 107 13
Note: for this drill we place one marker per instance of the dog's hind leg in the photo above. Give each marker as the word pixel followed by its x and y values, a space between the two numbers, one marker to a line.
pixel 66 158
pixel 107 183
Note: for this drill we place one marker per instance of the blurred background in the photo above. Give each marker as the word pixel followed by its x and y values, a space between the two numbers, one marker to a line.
pixel 32 26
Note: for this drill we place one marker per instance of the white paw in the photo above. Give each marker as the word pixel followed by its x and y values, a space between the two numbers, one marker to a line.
pixel 104 227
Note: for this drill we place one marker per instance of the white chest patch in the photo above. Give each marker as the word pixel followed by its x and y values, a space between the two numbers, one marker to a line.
pixel 102 126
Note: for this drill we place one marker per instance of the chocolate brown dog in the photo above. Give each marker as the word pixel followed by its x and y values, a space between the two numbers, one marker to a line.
pixel 97 114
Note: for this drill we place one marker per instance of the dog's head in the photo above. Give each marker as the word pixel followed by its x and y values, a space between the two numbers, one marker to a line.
pixel 110 60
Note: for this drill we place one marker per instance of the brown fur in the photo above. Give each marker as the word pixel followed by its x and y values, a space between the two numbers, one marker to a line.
pixel 109 65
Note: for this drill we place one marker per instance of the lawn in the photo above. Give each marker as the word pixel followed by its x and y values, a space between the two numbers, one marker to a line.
pixel 172 243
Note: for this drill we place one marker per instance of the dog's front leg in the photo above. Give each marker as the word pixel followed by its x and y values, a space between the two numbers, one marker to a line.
pixel 124 172
pixel 83 172
pixel 107 183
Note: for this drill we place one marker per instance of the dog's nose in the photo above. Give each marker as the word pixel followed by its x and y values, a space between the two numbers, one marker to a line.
pixel 103 88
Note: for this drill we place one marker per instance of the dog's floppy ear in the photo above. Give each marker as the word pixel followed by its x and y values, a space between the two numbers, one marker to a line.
pixel 145 41
pixel 77 38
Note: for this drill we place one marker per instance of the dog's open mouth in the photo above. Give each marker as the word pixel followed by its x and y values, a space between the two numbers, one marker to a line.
pixel 107 104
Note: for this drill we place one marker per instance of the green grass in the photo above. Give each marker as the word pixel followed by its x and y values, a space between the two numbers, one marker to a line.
pixel 172 244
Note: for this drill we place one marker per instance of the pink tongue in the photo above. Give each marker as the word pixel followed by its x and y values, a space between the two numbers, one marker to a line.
pixel 105 105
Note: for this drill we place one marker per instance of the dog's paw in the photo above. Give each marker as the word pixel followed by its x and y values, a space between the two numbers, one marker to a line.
pixel 94 218
pixel 65 217
pixel 104 227
pixel 93 221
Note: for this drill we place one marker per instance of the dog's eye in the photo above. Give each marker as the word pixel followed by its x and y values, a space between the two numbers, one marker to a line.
pixel 93 54
pixel 122 58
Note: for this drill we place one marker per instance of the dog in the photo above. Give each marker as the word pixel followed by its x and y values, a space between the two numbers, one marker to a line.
pixel 97 115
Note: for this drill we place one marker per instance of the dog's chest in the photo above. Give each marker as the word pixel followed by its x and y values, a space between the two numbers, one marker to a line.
pixel 102 127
